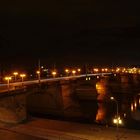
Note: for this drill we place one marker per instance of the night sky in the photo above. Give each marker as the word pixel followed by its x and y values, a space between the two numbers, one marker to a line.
pixel 70 32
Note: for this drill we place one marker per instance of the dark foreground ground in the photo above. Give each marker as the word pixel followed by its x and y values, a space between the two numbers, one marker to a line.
pixel 46 129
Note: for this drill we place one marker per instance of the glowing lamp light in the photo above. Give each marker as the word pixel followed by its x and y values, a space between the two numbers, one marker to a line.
pixel 118 70
pixel 23 75
pixel 120 121
pixel 106 69
pixel 112 98
pixel 66 70
pixel 38 72
pixel 7 78
pixel 54 73
pixel 103 70
pixel 117 121
pixel 115 75
pixel 15 73
pixel 88 78
pixel 132 107
pixel 73 72
pixel 98 77
pixel 135 104
pixel 95 70
pixel 78 70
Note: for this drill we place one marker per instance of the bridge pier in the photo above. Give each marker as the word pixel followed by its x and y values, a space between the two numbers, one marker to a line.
pixel 13 107
pixel 53 98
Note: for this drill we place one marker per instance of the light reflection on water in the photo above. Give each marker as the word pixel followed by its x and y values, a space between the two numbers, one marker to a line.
pixel 135 108
pixel 125 91
pixel 101 90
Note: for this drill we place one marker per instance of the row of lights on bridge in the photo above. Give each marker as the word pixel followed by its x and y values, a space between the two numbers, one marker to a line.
pixel 54 73
pixel 8 78
pixel 133 70
pixel 73 72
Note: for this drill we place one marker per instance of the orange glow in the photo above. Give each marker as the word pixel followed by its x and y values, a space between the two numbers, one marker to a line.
pixel 117 121
pixel 73 72
pixel 118 70
pixel 15 73
pixel 7 78
pixel 135 104
pixel 132 107
pixel 95 70
pixel 98 77
pixel 112 70
pixel 54 73
pixel 101 90
pixel 38 72
pixel 112 98
pixel 78 70
pixel 100 114
pixel 103 70
pixel 22 75
pixel 115 74
pixel 66 70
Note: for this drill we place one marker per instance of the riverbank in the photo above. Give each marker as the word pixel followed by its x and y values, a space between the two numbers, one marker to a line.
pixel 63 130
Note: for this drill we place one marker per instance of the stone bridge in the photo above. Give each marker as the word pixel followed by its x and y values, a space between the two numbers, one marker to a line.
pixel 53 97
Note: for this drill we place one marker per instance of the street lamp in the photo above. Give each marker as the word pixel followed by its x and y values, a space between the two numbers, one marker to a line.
pixel 117 120
pixel 88 78
pixel 98 76
pixel 22 77
pixel 113 99
pixel 8 78
pixel 38 73
pixel 79 70
pixel 67 71
pixel 15 74
pixel 73 72
pixel 54 73
pixel 96 70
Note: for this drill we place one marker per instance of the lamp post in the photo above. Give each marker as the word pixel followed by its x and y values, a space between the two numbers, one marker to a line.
pixel 22 77
pixel 117 120
pixel 67 71
pixel 15 74
pixel 38 73
pixel 79 70
pixel 8 78
pixel 73 72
